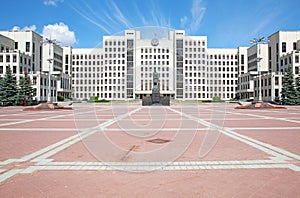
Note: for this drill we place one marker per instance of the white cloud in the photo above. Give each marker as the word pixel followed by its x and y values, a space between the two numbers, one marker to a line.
pixel 119 15
pixel 60 32
pixel 197 13
pixel 183 21
pixel 17 28
pixel 51 2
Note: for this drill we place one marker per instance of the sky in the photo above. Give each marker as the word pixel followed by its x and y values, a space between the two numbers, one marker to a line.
pixel 83 23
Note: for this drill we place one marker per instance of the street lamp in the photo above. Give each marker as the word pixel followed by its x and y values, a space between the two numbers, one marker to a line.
pixel 258 41
pixel 49 42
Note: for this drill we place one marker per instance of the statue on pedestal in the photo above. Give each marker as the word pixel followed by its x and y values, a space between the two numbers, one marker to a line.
pixel 155 98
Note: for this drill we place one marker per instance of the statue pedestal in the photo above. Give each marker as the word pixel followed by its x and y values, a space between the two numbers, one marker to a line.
pixel 155 98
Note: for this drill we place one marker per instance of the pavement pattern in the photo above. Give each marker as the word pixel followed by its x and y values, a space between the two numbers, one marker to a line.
pixel 125 150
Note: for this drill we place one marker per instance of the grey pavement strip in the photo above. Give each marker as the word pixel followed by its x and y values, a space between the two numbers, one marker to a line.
pixel 9 174
pixel 267 148
pixel 266 117
pixel 78 137
pixel 44 163
pixel 264 128
pixel 31 169
pixel 175 163
pixel 42 154
pixel 38 129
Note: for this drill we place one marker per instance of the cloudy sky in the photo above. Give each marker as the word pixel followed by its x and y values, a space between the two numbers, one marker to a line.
pixel 82 23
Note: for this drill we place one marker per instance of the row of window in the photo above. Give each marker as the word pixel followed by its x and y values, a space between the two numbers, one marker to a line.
pixel 289 60
pixel 146 75
pixel 102 95
pixel 211 95
pixel 155 56
pixel 155 50
pixel 216 75
pixel 87 56
pixel 194 43
pixel 14 59
pixel 219 56
pixel 102 88
pixel 114 43
pixel 14 69
pixel 205 88
pixel 222 63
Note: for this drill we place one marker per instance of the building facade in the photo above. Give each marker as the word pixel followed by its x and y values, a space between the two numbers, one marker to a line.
pixel 26 51
pixel 122 68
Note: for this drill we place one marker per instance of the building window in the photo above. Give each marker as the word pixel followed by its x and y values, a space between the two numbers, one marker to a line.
pixel 14 69
pixel 66 59
pixel 283 46
pixel 27 46
pixel 294 46
pixel 242 59
pixel 16 45
pixel 14 58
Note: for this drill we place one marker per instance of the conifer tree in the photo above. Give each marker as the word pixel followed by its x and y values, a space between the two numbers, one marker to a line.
pixel 298 90
pixel 8 90
pixel 25 91
pixel 288 92
pixel 1 90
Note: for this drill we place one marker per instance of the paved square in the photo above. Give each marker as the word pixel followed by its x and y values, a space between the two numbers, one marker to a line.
pixel 125 150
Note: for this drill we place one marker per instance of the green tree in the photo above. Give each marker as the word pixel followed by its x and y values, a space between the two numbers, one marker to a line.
pixel 288 92
pixel 8 90
pixel 25 91
pixel 1 90
pixel 298 90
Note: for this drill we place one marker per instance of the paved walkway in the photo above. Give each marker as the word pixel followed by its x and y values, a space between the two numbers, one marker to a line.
pixel 116 138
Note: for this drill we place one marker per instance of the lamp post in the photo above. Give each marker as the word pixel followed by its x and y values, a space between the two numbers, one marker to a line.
pixel 49 42
pixel 258 41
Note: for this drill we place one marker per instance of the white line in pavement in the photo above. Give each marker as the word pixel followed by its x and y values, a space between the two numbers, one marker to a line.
pixel 39 119
pixel 138 168
pixel 264 128
pixel 265 117
pixel 279 150
pixel 155 129
pixel 38 129
pixel 174 163
pixel 9 174
pixel 43 154
pixel 76 138
pixel 267 148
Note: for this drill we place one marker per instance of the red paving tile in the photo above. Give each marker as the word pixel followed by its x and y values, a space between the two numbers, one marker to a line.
pixel 235 182
pixel 76 152
pixel 287 139
pixel 16 144
pixel 212 183
pixel 259 123
pixel 44 124
pixel 224 148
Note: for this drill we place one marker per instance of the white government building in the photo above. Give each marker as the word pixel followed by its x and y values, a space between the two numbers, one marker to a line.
pixel 122 67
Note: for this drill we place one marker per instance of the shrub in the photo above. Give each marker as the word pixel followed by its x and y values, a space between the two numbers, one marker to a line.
pixel 217 99
pixel 206 101
pixel 93 99
pixel 103 100
pixel 60 98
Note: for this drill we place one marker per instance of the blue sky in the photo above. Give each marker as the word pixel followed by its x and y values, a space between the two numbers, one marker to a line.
pixel 82 23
